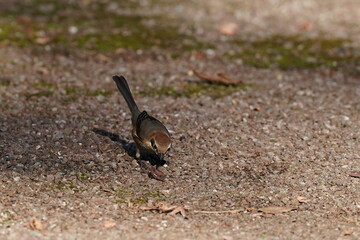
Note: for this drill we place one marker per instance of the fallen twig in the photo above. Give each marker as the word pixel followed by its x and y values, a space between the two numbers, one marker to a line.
pixel 355 174
pixel 219 212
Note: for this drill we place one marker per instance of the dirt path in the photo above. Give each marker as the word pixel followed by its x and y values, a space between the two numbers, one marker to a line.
pixel 289 138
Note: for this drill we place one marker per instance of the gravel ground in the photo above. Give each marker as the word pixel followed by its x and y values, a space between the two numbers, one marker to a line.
pixel 291 139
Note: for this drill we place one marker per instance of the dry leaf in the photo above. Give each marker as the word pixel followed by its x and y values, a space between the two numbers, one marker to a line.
pixel 302 199
pixel 43 71
pixel 355 174
pixel 275 210
pixel 228 28
pixel 306 26
pixel 35 224
pixel 164 208
pixel 177 210
pixel 25 20
pixel 43 40
pixel 109 223
pixel 103 58
pixel 348 232
pixel 199 55
pixel 220 78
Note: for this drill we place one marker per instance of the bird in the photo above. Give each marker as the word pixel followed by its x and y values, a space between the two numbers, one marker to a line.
pixel 149 134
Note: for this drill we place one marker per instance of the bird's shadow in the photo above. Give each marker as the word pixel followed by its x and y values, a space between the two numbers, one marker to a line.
pixel 130 148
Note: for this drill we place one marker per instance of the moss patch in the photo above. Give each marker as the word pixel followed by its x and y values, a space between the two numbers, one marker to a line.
pixel 70 94
pixel 82 176
pixel 98 92
pixel 39 94
pixel 195 89
pixel 289 52
pixel 43 85
pixel 5 217
pixel 213 90
pixel 70 24
pixel 65 185
pixel 4 82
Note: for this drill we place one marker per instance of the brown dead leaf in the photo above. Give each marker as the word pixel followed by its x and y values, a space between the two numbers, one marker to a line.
pixel 103 58
pixel 275 210
pixel 220 78
pixel 306 26
pixel 43 40
pixel 355 174
pixel 25 20
pixel 199 55
pixel 108 223
pixel 164 208
pixel 180 209
pixel 302 199
pixel 35 224
pixel 348 232
pixel 43 71
pixel 228 28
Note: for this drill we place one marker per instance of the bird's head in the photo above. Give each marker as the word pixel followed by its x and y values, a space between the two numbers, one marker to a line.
pixel 160 144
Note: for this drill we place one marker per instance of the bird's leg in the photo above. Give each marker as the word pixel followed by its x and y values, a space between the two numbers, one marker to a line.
pixel 137 154
pixel 152 170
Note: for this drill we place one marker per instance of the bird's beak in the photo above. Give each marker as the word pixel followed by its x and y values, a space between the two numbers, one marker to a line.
pixel 161 156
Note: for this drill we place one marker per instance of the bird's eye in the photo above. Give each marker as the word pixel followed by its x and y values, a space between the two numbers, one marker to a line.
pixel 168 150
pixel 153 144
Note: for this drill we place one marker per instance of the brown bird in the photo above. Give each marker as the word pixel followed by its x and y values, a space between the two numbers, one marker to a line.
pixel 149 134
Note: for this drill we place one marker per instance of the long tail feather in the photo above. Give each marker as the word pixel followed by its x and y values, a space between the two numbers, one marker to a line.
pixel 124 89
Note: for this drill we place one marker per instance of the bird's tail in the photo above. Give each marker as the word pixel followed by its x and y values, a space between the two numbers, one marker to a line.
pixel 124 89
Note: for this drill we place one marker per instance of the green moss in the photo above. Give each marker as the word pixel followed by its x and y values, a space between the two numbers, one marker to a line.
pixel 289 52
pixel 4 82
pixel 124 195
pixel 213 90
pixel 153 194
pixel 139 201
pixel 5 217
pixel 110 42
pixel 195 89
pixel 67 185
pixel 109 31
pixel 130 32
pixel 39 94
pixel 12 33
pixel 82 176
pixel 44 85
pixel 70 94
pixel 98 92
pixel 69 99
pixel 70 90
